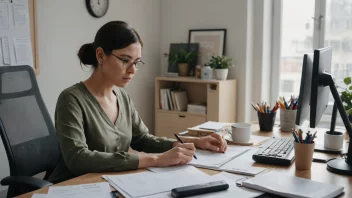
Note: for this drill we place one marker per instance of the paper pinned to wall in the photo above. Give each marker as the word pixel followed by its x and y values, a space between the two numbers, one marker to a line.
pixel 4 16
pixel 22 50
pixel 20 2
pixel 5 46
pixel 20 14
pixel 15 33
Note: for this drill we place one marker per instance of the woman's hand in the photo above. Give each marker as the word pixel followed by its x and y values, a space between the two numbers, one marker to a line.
pixel 180 154
pixel 213 142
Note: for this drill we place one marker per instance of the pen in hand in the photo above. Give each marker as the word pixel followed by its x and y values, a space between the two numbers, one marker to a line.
pixel 179 139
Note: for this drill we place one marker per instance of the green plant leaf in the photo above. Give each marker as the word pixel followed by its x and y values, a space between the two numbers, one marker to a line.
pixel 350 88
pixel 349 111
pixel 347 80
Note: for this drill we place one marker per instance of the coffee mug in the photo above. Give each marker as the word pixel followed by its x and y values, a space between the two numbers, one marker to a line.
pixel 241 132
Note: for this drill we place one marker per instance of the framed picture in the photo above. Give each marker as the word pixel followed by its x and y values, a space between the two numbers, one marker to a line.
pixel 211 41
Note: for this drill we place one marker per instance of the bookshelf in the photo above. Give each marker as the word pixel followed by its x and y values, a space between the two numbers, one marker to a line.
pixel 220 97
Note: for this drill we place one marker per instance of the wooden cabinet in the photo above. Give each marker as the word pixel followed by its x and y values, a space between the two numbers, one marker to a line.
pixel 219 96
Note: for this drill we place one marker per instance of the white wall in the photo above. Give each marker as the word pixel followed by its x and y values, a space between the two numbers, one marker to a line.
pixel 178 16
pixel 63 26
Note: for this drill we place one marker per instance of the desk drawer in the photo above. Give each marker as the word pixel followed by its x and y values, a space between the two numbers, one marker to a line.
pixel 168 123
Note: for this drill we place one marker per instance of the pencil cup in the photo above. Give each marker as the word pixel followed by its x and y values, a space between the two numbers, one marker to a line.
pixel 266 121
pixel 287 119
pixel 303 155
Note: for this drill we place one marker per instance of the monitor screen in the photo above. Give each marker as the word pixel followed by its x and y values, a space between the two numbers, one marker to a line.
pixel 319 94
pixel 304 91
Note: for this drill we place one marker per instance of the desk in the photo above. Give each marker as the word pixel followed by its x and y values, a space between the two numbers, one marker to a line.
pixel 318 171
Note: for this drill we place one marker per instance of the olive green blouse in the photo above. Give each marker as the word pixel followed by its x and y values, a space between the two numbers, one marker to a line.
pixel 90 142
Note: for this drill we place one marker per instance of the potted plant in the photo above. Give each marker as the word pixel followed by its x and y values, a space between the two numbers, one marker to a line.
pixel 346 97
pixel 183 59
pixel 221 64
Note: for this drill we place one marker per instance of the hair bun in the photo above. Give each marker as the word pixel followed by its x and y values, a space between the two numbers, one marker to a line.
pixel 86 54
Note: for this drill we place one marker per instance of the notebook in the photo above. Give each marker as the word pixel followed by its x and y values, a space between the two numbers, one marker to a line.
pixel 291 186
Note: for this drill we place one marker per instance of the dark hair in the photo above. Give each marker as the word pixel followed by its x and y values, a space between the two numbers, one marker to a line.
pixel 113 35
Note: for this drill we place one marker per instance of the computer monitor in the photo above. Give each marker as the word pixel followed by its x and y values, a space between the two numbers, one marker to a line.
pixel 304 92
pixel 319 96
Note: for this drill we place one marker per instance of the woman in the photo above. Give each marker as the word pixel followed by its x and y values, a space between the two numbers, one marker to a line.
pixel 96 121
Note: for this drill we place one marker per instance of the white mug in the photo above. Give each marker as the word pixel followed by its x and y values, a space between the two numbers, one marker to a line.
pixel 334 142
pixel 241 132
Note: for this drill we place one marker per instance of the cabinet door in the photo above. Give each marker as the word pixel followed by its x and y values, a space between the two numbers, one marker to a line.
pixel 169 123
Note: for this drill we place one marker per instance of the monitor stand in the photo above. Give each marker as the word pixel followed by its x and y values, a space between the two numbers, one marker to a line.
pixel 339 166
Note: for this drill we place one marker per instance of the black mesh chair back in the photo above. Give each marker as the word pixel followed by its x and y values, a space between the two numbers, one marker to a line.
pixel 26 128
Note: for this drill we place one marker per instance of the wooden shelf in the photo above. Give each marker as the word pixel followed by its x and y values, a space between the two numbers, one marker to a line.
pixel 189 79
pixel 219 96
pixel 181 113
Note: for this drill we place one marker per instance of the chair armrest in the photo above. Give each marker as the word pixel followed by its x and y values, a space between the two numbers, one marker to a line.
pixel 25 180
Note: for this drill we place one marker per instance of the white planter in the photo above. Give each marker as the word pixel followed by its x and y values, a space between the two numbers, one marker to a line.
pixel 221 74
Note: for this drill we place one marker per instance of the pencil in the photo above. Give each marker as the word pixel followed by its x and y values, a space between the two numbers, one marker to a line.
pixel 254 106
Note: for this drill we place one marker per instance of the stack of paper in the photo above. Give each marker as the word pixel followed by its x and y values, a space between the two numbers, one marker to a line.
pixel 236 159
pixel 243 164
pixel 149 183
pixel 197 108
pixel 213 126
pixel 209 159
pixel 233 191
pixel 101 189
pixel 291 186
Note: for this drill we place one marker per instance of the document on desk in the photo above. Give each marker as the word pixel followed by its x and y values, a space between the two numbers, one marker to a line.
pixel 101 189
pixel 168 169
pixel 243 164
pixel 233 191
pixel 149 183
pixel 209 159
pixel 291 186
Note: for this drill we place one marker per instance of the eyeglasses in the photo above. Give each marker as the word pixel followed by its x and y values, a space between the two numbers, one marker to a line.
pixel 126 63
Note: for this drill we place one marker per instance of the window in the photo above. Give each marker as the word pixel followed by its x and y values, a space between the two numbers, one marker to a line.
pixel 319 23
pixel 297 39
pixel 287 86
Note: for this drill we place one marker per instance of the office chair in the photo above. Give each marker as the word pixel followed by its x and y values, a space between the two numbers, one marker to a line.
pixel 27 131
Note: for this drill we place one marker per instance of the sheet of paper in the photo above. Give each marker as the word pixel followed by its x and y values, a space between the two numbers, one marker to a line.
pixel 259 139
pixel 39 196
pixel 287 185
pixel 208 159
pixel 22 51
pixel 20 14
pixel 215 126
pixel 155 183
pixel 5 47
pixel 101 189
pixel 233 190
pixel 233 177
pixel 168 169
pixel 4 16
pixel 243 164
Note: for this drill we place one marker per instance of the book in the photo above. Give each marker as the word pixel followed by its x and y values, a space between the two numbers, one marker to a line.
pixel 291 186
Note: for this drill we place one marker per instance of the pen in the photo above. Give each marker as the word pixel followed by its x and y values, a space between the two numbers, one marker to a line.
pixel 294 136
pixel 179 139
